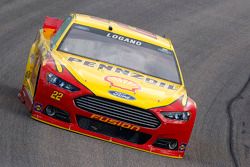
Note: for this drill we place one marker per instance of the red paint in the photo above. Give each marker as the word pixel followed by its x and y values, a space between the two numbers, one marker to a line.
pixel 52 23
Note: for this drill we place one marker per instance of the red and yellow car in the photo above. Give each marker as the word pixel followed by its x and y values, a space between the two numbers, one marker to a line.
pixel 110 81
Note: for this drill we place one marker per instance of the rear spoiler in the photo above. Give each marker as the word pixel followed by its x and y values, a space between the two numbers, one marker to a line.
pixel 51 26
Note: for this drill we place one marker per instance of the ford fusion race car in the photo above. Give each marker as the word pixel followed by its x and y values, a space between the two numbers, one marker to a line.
pixel 110 81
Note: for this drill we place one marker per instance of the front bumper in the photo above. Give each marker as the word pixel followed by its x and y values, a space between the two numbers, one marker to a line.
pixel 169 129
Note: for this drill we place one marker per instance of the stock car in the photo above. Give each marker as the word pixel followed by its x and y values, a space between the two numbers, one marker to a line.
pixel 110 81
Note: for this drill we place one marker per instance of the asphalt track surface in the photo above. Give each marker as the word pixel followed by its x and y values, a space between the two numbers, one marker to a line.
pixel 212 40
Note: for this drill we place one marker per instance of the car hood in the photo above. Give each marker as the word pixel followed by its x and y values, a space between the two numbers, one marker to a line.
pixel 119 83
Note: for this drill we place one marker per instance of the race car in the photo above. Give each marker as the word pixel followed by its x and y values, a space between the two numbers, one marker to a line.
pixel 110 81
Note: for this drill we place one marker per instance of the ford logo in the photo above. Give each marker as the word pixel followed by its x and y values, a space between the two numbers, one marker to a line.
pixel 121 95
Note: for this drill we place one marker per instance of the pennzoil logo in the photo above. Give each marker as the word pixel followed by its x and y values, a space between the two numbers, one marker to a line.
pixel 122 83
pixel 115 122
pixel 122 71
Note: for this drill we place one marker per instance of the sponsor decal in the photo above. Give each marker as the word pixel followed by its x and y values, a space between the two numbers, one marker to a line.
pixel 119 70
pixel 115 122
pixel 121 95
pixel 124 39
pixel 122 83
pixel 37 107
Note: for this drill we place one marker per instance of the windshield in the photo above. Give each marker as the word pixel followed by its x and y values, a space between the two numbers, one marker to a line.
pixel 121 51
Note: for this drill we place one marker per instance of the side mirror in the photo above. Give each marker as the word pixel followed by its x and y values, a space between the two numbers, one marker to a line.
pixel 51 26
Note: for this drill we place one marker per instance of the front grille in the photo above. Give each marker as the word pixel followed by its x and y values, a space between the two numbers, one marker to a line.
pixel 112 130
pixel 116 110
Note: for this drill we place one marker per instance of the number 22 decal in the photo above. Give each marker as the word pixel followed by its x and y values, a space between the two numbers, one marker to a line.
pixel 56 95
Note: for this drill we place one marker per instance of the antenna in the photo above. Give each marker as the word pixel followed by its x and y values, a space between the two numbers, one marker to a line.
pixel 110 28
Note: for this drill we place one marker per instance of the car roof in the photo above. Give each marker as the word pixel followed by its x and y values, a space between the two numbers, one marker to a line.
pixel 122 29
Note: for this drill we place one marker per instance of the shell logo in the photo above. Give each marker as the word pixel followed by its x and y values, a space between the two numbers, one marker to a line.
pixel 122 83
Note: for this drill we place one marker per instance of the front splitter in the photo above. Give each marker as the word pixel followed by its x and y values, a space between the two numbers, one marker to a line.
pixel 74 128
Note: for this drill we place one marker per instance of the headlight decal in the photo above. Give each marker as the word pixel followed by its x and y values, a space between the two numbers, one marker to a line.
pixel 55 80
pixel 181 116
